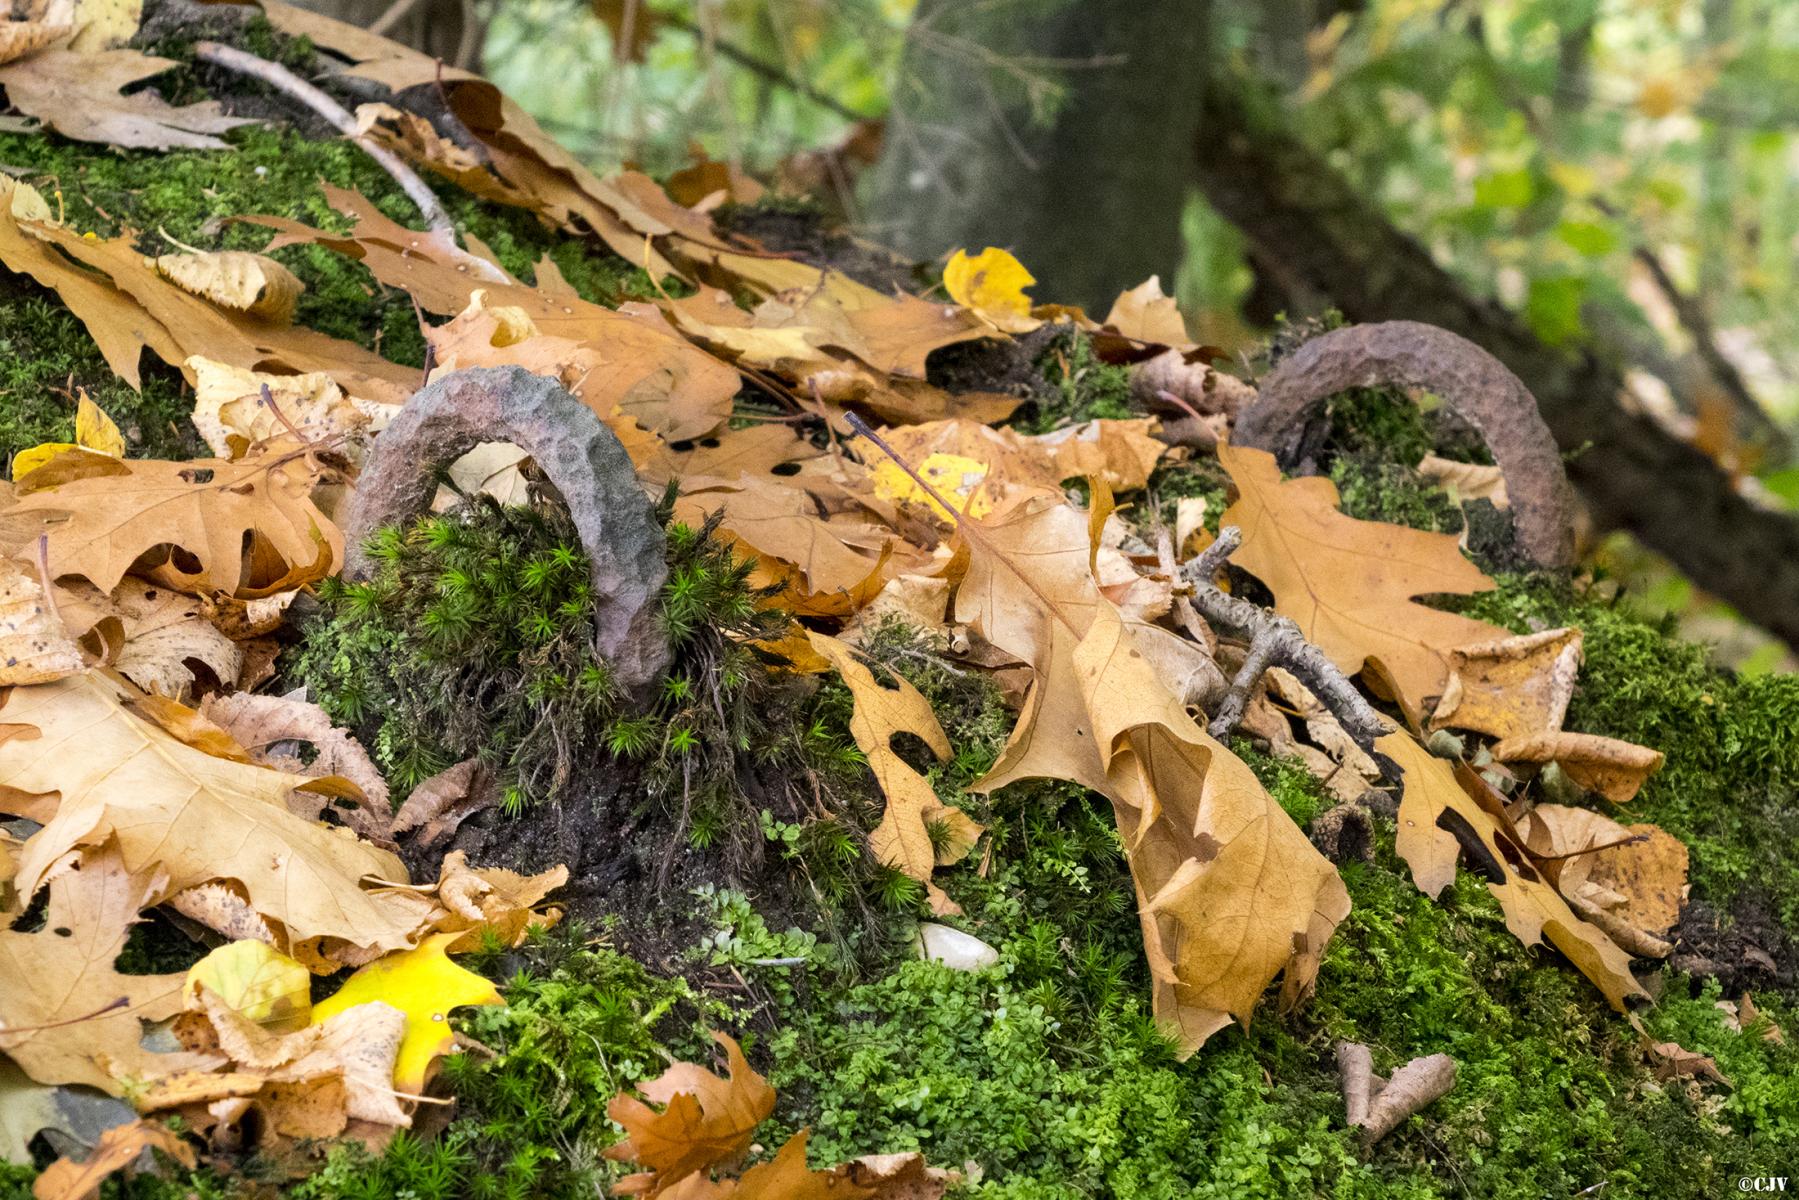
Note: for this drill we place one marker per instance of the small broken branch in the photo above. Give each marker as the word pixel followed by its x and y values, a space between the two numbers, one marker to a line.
pixel 1375 1105
pixel 1273 641
pixel 295 88
pixel 1473 384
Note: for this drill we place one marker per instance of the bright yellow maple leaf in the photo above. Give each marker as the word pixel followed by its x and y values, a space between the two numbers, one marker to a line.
pixel 94 431
pixel 992 283
pixel 260 982
pixel 425 985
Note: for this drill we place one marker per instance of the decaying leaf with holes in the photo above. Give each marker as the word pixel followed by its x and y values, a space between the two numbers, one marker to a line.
pixel 1441 818
pixel 100 524
pixel 904 839
pixel 78 1020
pixel 35 645
pixel 232 416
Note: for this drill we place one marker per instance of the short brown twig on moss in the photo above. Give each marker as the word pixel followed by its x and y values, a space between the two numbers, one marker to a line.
pixel 1375 1105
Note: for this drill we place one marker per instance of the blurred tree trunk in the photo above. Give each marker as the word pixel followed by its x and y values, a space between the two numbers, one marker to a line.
pixel 1060 129
pixel 448 29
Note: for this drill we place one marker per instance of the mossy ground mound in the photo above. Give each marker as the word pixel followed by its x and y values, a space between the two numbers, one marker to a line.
pixel 1044 1072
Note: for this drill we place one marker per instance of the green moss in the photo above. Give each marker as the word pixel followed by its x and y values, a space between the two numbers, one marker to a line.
pixel 1084 387
pixel 1376 489
pixel 474 638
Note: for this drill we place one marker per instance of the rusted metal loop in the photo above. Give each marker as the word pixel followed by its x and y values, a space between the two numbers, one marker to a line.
pixel 1473 384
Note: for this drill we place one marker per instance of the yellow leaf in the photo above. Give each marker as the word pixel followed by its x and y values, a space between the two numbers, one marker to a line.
pixel 264 985
pixel 425 985
pixel 94 431
pixel 991 283
pixel 957 479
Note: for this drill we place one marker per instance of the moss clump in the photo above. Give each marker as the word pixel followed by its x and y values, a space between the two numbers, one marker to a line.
pixel 1083 387
pixel 475 638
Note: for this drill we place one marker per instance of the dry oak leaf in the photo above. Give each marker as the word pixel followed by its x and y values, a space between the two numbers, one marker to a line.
pixel 191 815
pixel 902 840
pixel 1145 314
pixel 1614 769
pixel 236 279
pixel 646 370
pixel 832 568
pixel 76 1018
pixel 1350 584
pixel 424 985
pixel 705 1120
pixel 1512 687
pixel 1639 870
pixel 35 646
pixel 1439 819
pixel 78 95
pixel 140 308
pixel 166 632
pixel 209 509
pixel 230 414
pixel 1230 892
pixel 118 1149
pixel 269 728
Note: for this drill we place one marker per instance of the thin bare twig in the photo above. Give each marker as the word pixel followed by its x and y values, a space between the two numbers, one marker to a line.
pixel 295 88
pixel 1273 640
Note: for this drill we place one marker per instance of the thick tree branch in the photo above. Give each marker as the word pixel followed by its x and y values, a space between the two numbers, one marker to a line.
pixel 1297 210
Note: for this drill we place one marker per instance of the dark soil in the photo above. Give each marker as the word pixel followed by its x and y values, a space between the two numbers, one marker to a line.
pixel 787 227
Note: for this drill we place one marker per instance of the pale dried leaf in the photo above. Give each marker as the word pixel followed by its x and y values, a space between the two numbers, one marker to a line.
pixel 230 414
pixel 265 724
pixel 1512 687
pixel 1614 769
pixel 78 95
pixel 35 646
